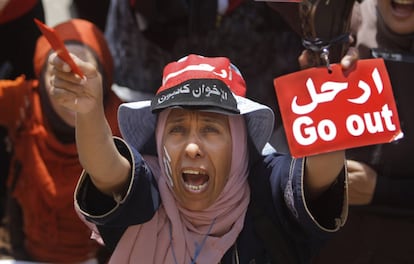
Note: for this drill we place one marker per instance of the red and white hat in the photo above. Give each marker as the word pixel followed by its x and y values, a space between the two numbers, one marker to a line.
pixel 200 83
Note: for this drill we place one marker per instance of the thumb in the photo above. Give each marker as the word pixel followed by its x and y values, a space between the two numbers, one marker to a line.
pixel 88 69
pixel 305 59
pixel 350 58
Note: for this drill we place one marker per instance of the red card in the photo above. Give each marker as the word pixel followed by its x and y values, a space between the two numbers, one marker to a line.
pixel 325 112
pixel 58 45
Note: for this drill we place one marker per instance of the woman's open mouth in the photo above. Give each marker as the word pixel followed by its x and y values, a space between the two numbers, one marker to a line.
pixel 402 8
pixel 195 181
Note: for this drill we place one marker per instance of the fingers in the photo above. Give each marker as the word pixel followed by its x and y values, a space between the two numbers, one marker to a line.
pixel 348 61
pixel 63 96
pixel 65 87
pixel 305 59
pixel 64 81
pixel 62 76
pixel 69 90
pixel 350 58
pixel 61 67
pixel 353 165
pixel 356 166
pixel 65 93
pixel 58 64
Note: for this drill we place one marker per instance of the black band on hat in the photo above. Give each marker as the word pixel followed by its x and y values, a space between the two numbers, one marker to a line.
pixel 197 93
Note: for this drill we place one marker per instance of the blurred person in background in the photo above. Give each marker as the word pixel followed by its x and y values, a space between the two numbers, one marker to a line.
pixel 19 35
pixel 95 11
pixel 381 178
pixel 43 224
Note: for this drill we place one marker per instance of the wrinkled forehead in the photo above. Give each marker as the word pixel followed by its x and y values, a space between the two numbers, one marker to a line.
pixel 183 113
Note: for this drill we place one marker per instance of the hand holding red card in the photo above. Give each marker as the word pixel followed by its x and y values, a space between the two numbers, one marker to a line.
pixel 325 112
pixel 58 45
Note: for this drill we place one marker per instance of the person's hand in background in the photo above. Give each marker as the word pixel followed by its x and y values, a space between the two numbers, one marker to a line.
pixel 362 180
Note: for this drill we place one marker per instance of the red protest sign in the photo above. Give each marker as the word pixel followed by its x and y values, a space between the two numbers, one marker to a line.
pixel 325 112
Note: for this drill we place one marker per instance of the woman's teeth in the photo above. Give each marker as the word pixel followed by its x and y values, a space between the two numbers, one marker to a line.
pixel 194 188
pixel 195 181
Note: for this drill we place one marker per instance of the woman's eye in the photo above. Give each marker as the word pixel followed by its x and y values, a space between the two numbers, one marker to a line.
pixel 177 129
pixel 210 129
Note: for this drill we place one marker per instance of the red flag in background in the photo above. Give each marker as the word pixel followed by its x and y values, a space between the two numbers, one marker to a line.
pixel 325 112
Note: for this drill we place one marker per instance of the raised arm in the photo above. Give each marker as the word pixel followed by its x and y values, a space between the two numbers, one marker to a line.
pixel 108 169
pixel 321 172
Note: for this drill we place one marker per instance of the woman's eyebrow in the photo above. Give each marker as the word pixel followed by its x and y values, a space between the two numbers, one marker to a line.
pixel 176 119
pixel 214 120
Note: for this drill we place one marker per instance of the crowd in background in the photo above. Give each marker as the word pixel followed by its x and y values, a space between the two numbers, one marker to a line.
pixel 264 43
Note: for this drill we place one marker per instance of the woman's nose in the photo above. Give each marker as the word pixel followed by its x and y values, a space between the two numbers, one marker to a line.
pixel 193 150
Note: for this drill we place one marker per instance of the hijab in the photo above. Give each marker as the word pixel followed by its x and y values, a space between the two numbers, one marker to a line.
pixel 373 33
pixel 177 235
